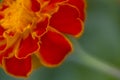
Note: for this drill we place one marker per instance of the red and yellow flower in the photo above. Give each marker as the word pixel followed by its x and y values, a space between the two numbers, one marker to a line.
pixel 34 30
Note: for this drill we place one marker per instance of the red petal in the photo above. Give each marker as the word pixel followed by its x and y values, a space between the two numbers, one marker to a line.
pixel 1 58
pixel 2 39
pixel 54 48
pixel 51 6
pixel 18 67
pixel 81 5
pixel 35 5
pixel 2 46
pixel 41 27
pixel 27 47
pixel 2 43
pixel 3 7
pixel 6 53
pixel 66 20
pixel 1 16
pixel 1 30
pixel 56 1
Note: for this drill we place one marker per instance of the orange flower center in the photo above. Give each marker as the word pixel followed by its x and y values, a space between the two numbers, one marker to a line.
pixel 18 17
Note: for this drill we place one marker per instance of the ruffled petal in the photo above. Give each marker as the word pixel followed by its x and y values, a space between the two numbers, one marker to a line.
pixel 54 48
pixel 1 30
pixel 56 1
pixel 2 39
pixel 1 16
pixel 41 27
pixel 51 6
pixel 18 67
pixel 6 52
pixel 66 20
pixel 80 5
pixel 2 47
pixel 27 46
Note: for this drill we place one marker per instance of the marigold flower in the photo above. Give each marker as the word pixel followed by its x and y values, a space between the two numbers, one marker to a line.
pixel 35 29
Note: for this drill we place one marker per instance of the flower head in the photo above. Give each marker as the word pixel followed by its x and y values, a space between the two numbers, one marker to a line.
pixel 32 29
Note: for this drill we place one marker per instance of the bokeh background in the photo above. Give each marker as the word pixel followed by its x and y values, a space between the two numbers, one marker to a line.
pixel 101 40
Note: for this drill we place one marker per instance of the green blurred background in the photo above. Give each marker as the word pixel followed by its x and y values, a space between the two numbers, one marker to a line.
pixel 101 40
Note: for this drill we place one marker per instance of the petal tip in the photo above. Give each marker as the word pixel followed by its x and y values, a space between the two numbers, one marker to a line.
pixel 11 70
pixel 55 47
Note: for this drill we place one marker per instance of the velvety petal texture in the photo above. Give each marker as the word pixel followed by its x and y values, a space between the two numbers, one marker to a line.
pixel 27 46
pixel 1 30
pixel 54 48
pixel 2 39
pixel 35 5
pixel 41 27
pixel 56 1
pixel 5 52
pixel 67 23
pixel 33 33
pixel 18 67
pixel 80 5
